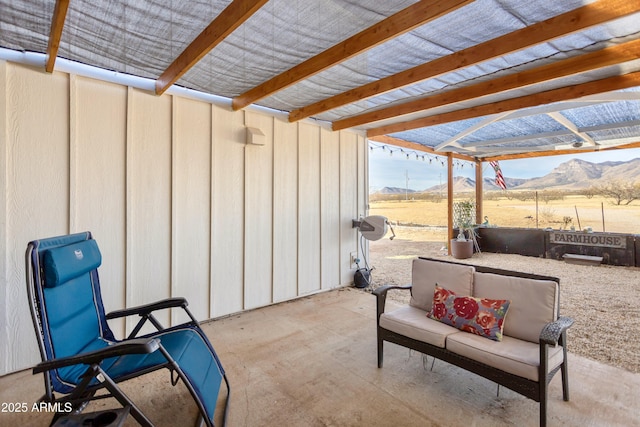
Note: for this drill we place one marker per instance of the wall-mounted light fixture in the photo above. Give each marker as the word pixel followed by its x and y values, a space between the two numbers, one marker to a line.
pixel 255 136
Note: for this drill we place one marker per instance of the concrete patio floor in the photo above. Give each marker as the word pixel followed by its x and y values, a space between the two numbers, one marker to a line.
pixel 312 362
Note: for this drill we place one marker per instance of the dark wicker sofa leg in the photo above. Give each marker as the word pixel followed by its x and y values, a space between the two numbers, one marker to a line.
pixel 564 369
pixel 565 381
pixel 543 382
pixel 543 406
pixel 380 352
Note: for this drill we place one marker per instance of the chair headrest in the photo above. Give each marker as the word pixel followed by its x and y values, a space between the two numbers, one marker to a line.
pixel 68 262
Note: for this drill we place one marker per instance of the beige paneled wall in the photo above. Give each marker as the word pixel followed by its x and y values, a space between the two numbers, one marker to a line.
pixel 36 179
pixel 98 179
pixel 227 208
pixel 348 170
pixel 148 172
pixel 309 209
pixel 191 206
pixel 258 215
pixel 330 220
pixel 178 203
pixel 4 289
pixel 285 203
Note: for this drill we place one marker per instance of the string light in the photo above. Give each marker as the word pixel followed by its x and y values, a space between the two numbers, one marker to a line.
pixel 457 163
pixel 408 153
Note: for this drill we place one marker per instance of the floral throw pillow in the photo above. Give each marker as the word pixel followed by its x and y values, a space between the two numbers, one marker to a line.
pixel 480 316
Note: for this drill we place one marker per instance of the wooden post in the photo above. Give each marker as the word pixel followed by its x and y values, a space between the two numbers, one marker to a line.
pixel 449 199
pixel 479 192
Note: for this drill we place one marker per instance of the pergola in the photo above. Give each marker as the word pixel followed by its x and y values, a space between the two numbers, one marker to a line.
pixel 474 80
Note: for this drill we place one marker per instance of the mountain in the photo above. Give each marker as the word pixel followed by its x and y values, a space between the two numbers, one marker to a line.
pixel 490 183
pixel 392 190
pixel 571 175
pixel 463 184
pixel 578 174
pixel 460 183
pixel 627 171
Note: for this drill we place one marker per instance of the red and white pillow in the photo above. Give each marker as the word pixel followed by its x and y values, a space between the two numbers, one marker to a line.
pixel 480 316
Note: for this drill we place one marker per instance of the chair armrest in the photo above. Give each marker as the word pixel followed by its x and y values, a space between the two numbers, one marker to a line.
pixel 134 346
pixel 552 331
pixel 382 290
pixel 149 308
pixel 381 296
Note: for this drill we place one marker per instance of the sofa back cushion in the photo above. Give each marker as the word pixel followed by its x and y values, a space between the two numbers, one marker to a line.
pixel 534 303
pixel 427 273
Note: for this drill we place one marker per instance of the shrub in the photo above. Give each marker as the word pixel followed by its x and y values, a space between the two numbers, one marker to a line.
pixel 621 193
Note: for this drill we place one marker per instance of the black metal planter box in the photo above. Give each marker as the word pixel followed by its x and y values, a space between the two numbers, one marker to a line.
pixel 614 248
pixel 504 240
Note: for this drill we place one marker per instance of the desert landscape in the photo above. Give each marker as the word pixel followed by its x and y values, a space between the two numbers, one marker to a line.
pixel 580 194
pixel 563 211
pixel 603 300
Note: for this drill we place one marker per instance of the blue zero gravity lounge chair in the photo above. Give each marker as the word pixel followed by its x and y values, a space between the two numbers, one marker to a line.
pixel 80 353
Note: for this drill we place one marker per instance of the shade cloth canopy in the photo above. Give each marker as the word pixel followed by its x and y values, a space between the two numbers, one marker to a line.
pixel 483 78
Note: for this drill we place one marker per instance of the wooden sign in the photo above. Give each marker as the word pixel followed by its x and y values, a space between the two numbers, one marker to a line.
pixel 605 240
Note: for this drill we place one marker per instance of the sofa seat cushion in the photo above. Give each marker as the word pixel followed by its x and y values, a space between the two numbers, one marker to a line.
pixel 413 323
pixel 512 355
pixel 426 273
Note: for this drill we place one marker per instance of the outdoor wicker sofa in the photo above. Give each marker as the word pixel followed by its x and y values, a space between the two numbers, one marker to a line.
pixel 522 350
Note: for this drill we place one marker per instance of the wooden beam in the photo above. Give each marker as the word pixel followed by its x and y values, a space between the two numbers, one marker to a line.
pixel 562 152
pixel 449 200
pixel 546 97
pixel 57 25
pixel 583 17
pixel 399 23
pixel 385 139
pixel 224 24
pixel 479 192
pixel 390 140
pixel 605 57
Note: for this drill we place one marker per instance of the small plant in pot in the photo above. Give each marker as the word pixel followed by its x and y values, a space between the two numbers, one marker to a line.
pixel 462 246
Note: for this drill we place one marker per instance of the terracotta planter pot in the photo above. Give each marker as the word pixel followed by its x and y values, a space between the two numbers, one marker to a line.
pixel 461 249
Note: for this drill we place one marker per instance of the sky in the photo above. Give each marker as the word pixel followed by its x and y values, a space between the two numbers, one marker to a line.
pixel 392 170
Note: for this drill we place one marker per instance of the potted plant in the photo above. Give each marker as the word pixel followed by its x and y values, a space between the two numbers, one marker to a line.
pixel 463 219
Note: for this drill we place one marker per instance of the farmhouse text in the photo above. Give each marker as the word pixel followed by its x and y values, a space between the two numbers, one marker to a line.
pixel 589 239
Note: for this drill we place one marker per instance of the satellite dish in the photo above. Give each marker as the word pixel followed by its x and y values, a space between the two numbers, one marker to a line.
pixel 373 227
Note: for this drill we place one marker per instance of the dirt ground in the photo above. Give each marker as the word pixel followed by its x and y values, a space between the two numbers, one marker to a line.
pixel 603 300
pixel 580 212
